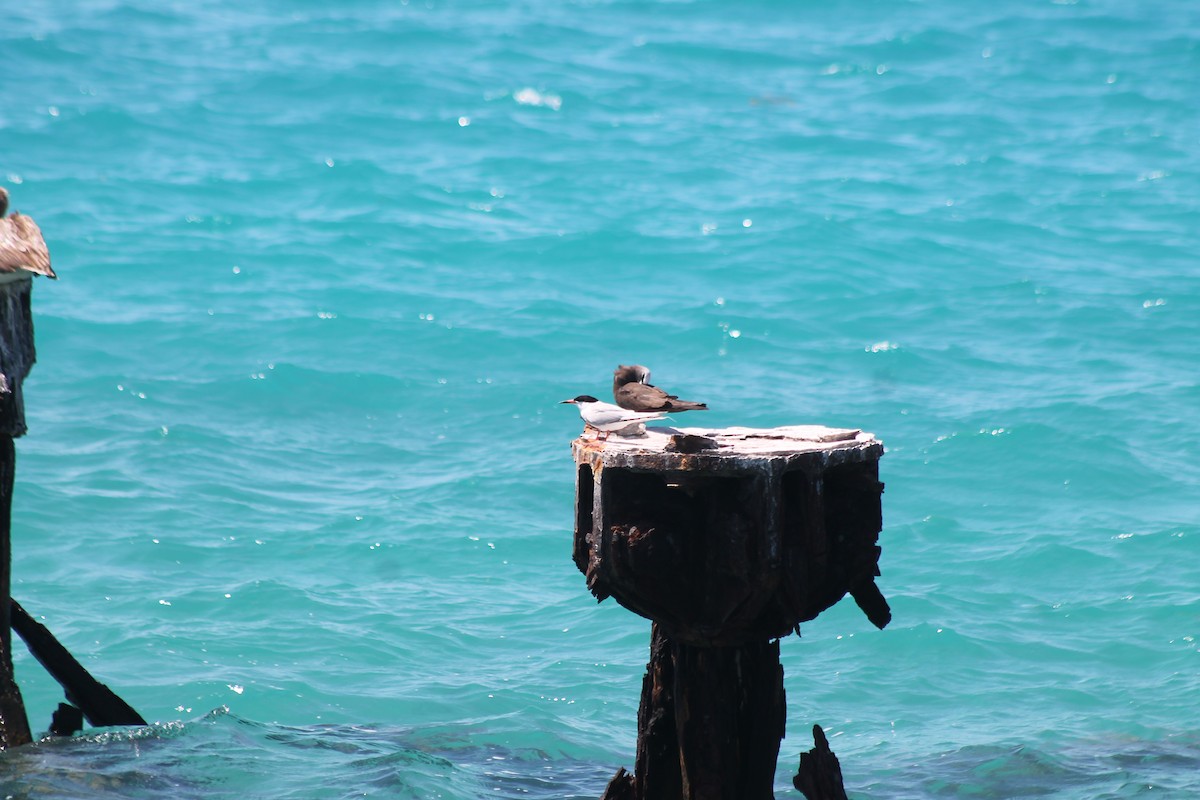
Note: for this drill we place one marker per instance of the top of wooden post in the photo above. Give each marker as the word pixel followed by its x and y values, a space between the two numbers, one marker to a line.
pixel 730 535
pixel 17 353
pixel 727 450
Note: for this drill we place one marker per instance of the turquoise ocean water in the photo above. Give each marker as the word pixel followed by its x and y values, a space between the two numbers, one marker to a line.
pixel 296 485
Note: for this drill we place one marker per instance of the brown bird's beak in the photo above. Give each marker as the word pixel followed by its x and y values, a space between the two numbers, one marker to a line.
pixel 571 401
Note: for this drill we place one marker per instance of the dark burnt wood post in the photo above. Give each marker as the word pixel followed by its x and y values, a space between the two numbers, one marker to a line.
pixel 23 254
pixel 728 540
pixel 16 358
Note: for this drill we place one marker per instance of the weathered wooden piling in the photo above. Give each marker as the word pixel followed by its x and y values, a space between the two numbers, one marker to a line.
pixel 728 540
pixel 23 254
pixel 16 359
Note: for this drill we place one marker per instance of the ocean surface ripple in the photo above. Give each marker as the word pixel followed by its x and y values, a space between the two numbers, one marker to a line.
pixel 296 485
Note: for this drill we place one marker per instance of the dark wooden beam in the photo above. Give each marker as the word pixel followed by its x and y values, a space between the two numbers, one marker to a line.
pixel 14 724
pixel 98 703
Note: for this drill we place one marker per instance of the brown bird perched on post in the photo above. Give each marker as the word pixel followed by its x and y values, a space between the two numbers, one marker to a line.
pixel 23 251
pixel 632 390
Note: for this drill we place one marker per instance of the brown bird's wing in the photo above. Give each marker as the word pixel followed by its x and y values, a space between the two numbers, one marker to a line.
pixel 641 397
pixel 644 397
pixel 685 405
pixel 23 247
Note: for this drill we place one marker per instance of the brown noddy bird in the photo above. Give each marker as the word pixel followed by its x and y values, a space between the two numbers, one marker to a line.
pixel 632 390
pixel 22 248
